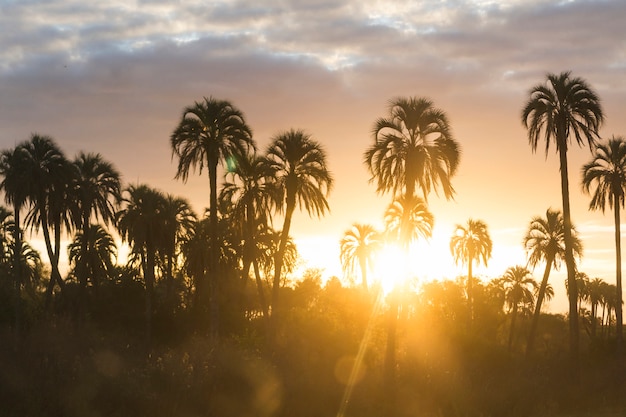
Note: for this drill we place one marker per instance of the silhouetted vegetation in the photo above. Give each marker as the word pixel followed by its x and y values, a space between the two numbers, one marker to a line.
pixel 187 323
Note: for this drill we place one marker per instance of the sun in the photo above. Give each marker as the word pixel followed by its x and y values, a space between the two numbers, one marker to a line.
pixel 391 267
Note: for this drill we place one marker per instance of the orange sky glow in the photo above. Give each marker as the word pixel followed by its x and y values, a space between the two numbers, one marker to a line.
pixel 114 78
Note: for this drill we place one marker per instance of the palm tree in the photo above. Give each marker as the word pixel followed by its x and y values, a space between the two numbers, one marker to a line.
pixel 413 146
pixel 15 186
pixel 298 168
pixel 210 132
pixel 49 175
pixel 606 173
pixel 595 288
pixel 468 244
pixel 178 221
pixel 519 286
pixel 99 258
pixel 140 222
pixel 562 107
pixel 406 219
pixel 97 189
pixel 545 242
pixel 358 247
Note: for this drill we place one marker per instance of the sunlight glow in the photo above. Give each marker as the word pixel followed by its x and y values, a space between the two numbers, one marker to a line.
pixel 391 267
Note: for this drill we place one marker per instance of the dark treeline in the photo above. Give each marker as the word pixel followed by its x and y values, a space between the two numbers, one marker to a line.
pixel 206 318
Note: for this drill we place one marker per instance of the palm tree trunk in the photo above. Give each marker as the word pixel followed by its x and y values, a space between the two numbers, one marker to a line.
pixel 619 322
pixel 470 303
pixel 17 272
pixel 363 266
pixel 278 262
pixel 259 284
pixel 390 355
pixel 513 320
pixel 149 278
pixel 569 255
pixel 540 296
pixel 213 286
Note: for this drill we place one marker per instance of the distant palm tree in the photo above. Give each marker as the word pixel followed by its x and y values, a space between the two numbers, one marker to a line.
pixel 140 222
pixel 413 146
pixel 406 219
pixel 519 289
pixel 178 221
pixel 545 242
pixel 49 175
pixel 358 246
pixel 468 244
pixel 96 186
pixel 298 167
pixel 562 107
pixel 210 132
pixel 595 288
pixel 16 188
pixel 606 173
pixel 98 259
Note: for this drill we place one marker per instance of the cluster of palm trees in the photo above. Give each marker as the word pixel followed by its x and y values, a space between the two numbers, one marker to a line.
pixel 414 147
pixel 413 154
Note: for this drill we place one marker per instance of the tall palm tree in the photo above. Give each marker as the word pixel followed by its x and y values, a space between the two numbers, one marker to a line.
pixel 545 242
pixel 468 244
pixel 178 221
pixel 358 246
pixel 606 173
pixel 563 107
pixel 413 146
pixel 98 259
pixel 298 167
pixel 519 288
pixel 406 219
pixel 49 174
pixel 210 132
pixel 16 188
pixel 140 222
pixel 97 189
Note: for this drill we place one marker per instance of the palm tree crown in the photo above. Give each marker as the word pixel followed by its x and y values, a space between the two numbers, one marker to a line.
pixel 607 172
pixel 358 247
pixel 413 146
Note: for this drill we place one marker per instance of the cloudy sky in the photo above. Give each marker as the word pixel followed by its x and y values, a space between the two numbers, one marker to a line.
pixel 113 77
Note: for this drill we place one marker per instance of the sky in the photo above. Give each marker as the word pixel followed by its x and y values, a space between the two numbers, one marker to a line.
pixel 114 77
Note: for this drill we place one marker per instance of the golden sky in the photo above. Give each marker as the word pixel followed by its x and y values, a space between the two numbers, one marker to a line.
pixel 113 77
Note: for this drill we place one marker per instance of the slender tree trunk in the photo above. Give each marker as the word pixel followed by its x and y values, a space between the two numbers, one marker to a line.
pixel 470 301
pixel 82 268
pixel 17 273
pixel 569 256
pixel 390 356
pixel 513 321
pixel 214 278
pixel 149 278
pixel 619 322
pixel 363 266
pixel 278 263
pixel 55 276
pixel 540 296
pixel 259 284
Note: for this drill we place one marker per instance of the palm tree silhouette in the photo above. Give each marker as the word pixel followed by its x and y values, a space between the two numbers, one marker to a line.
pixel 413 146
pixel 15 186
pixel 606 173
pixel 562 107
pixel 406 219
pixel 468 244
pixel 49 176
pixel 140 223
pixel 519 288
pixel 358 246
pixel 96 186
pixel 595 290
pixel 545 242
pixel 211 132
pixel 297 165
pixel 98 259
